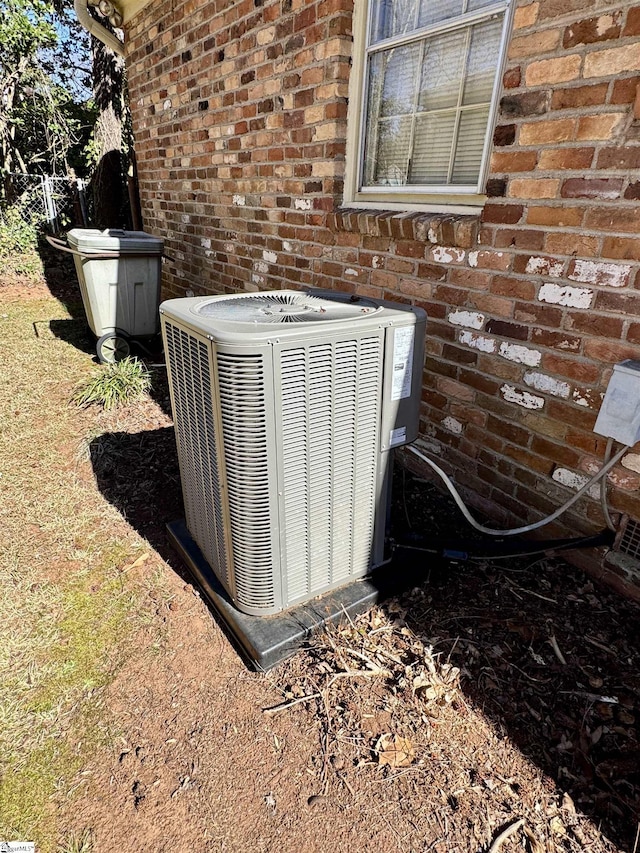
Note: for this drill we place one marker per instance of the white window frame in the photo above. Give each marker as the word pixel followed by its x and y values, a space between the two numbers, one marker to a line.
pixel 449 198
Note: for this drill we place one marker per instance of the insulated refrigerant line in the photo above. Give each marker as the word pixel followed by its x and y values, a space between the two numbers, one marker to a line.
pixel 514 531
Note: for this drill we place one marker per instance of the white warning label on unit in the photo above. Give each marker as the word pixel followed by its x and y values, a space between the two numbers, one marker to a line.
pixel 398 436
pixel 402 362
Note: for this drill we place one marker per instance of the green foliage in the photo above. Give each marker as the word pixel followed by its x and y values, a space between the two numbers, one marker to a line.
pixel 17 234
pixel 25 27
pixel 44 115
pixel 117 384
pixel 19 243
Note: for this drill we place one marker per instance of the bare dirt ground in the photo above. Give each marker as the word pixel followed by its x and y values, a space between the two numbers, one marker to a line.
pixel 495 695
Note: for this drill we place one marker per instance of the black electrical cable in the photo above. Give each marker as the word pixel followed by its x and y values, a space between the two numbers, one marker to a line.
pixel 461 551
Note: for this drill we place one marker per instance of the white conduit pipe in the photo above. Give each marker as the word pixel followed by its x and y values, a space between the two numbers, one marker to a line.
pixel 96 29
pixel 527 527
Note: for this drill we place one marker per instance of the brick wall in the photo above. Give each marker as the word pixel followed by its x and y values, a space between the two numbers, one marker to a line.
pixel 239 114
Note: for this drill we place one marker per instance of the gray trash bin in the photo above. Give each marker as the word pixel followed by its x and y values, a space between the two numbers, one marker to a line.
pixel 119 274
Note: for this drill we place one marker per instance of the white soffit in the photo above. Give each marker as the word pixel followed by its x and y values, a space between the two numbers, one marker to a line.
pixel 130 8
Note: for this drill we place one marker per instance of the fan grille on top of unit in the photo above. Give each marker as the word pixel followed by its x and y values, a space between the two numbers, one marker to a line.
pixel 276 307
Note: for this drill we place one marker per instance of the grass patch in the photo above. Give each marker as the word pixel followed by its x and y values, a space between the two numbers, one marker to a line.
pixel 68 614
pixel 117 384
pixel 82 843
pixel 62 644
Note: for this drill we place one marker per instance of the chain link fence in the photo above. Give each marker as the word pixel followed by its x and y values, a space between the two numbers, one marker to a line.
pixel 46 200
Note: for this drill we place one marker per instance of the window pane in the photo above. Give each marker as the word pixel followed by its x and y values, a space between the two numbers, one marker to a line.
pixel 439 10
pixel 468 157
pixel 393 80
pixel 388 165
pixel 399 17
pixel 481 66
pixel 442 70
pixel 432 149
pixel 474 5
pixel 394 18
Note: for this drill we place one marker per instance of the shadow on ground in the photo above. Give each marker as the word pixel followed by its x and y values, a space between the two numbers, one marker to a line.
pixel 550 658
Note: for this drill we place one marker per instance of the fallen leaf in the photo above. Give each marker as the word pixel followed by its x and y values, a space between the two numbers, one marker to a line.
pixel 394 750
pixel 136 563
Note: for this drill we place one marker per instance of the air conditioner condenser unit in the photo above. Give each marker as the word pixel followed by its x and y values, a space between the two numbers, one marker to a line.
pixel 287 406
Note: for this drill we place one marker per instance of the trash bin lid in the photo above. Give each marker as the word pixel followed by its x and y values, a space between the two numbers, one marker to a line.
pixel 91 240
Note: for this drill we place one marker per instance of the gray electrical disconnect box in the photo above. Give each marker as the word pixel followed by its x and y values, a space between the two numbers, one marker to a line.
pixel 619 415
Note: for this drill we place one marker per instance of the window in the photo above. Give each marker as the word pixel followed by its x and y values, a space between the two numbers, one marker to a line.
pixel 428 77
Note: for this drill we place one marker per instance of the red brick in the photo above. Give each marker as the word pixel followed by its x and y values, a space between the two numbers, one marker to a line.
pixel 624 91
pixel 458 355
pixel 504 134
pixel 534 44
pixel 591 323
pixel 571 368
pixel 538 314
pixel 469 278
pixel 592 30
pixel 410 249
pixel 618 302
pixel 609 352
pixel 525 457
pixel 514 331
pixel 557 453
pixel 489 304
pixel 603 126
pixel 589 442
pixel 562 216
pixel 515 288
pixel 525 238
pixel 511 78
pixel 621 248
pixel 432 272
pixel 467 414
pixel 566 158
pixel 456 390
pixel 506 214
pixel 603 188
pixel 500 368
pixel 513 161
pixel 474 379
pixel 619 158
pixel 556 340
pixel 570 414
pixel 525 104
pixel 509 431
pixel 579 96
pixel 625 219
pixel 565 243
pixel 450 295
pixel 544 132
pixel 632 25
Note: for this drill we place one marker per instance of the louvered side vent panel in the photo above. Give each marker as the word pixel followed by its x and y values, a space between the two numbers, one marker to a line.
pixel 330 421
pixel 190 377
pixel 241 383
